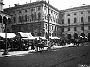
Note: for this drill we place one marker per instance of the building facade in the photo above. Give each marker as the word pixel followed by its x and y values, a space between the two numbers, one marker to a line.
pixel 76 20
pixel 3 15
pixel 33 18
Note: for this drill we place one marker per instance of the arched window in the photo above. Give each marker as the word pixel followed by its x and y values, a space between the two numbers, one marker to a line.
pixel 9 20
pixel 4 20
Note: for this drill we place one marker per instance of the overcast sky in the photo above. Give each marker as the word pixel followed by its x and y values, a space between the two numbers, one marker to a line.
pixel 59 4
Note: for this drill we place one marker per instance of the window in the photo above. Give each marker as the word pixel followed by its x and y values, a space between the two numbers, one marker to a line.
pixel 25 17
pixel 38 8
pixel 81 19
pixel 51 11
pixel 46 26
pixel 74 13
pixel 45 17
pixel 14 19
pixel 81 12
pixel 68 14
pixel 19 18
pixel 68 21
pixel 88 27
pixel 25 10
pixel 45 8
pixel 52 27
pixel 0 19
pixel 68 28
pixel 32 17
pixel 88 18
pixel 39 16
pixel 62 21
pixel 88 11
pixel 19 11
pixel 22 18
pixel 75 29
pixel 75 20
pixel 57 28
pixel 32 10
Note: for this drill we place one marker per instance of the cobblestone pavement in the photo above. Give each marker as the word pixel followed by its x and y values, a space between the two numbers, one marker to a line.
pixel 64 57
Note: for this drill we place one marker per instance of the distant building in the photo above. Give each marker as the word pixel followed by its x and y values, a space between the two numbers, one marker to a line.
pixel 33 18
pixel 2 16
pixel 76 20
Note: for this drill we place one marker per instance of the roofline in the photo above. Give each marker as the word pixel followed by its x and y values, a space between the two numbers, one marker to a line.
pixel 77 8
pixel 28 4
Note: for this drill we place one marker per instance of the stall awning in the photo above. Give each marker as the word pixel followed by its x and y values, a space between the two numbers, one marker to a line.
pixel 28 35
pixel 9 35
pixel 54 37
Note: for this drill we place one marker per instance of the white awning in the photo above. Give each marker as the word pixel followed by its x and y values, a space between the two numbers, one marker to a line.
pixel 28 35
pixel 54 37
pixel 9 35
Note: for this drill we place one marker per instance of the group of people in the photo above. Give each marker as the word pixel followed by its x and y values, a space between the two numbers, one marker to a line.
pixel 38 45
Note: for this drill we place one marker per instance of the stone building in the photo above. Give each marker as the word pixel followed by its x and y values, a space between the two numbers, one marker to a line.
pixel 33 18
pixel 76 21
pixel 2 16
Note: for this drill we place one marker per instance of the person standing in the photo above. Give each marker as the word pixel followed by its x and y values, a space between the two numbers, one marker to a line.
pixel 36 44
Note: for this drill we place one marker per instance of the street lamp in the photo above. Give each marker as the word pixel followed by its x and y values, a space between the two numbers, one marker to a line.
pixel 48 20
pixel 5 22
pixel 47 34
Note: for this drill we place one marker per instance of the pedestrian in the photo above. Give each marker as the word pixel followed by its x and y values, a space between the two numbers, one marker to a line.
pixel 32 45
pixel 36 44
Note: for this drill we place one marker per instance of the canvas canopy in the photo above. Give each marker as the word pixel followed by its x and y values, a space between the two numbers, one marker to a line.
pixel 29 36
pixel 54 37
pixel 9 35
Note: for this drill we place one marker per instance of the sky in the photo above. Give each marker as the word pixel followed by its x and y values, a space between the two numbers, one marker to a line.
pixel 59 4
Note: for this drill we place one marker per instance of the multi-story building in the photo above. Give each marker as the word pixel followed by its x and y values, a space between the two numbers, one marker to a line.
pixel 2 16
pixel 76 20
pixel 33 18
